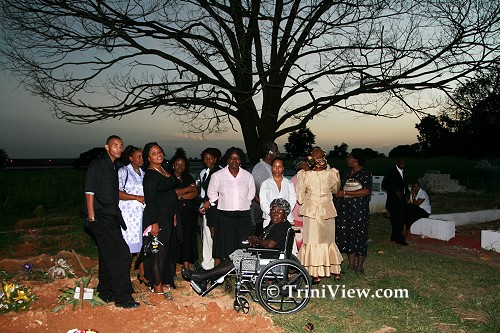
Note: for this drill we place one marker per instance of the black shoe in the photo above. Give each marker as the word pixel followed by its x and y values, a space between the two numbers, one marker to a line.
pixel 187 274
pixel 127 304
pixel 197 267
pixel 401 242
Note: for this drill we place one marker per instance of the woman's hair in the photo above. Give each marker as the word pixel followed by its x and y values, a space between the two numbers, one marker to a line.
pixel 229 152
pixel 127 153
pixel 283 203
pixel 212 151
pixel 279 159
pixel 359 155
pixel 145 153
pixel 175 158
pixel 298 162
pixel 320 162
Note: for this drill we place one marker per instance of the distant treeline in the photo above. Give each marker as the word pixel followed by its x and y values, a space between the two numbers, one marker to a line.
pixel 40 162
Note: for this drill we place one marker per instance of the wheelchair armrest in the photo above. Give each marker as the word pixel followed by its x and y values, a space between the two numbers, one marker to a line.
pixel 262 250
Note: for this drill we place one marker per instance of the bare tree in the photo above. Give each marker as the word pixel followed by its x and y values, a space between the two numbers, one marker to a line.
pixel 270 65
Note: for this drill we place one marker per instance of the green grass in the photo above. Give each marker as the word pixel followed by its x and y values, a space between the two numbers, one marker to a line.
pixel 43 193
pixel 441 290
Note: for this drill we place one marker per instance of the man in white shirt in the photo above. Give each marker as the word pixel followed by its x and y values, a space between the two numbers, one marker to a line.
pixel 262 171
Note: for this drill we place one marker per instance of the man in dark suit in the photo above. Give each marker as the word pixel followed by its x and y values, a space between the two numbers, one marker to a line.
pixel 395 185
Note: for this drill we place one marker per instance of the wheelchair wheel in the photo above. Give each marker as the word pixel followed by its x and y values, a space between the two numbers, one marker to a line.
pixel 242 304
pixel 283 287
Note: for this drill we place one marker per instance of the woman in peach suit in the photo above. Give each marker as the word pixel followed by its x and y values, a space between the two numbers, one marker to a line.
pixel 319 253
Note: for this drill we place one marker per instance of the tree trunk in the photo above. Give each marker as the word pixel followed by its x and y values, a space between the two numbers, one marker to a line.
pixel 252 142
pixel 255 133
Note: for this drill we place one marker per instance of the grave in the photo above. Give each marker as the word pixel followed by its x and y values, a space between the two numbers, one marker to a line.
pixel 490 240
pixel 438 229
pixel 479 216
pixel 378 197
pixel 437 182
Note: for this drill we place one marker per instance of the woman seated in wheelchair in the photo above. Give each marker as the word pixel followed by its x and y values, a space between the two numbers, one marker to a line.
pixel 273 237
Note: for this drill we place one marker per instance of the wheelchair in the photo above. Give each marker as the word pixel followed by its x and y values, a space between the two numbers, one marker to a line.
pixel 271 277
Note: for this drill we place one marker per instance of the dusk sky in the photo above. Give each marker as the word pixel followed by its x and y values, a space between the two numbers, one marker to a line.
pixel 28 129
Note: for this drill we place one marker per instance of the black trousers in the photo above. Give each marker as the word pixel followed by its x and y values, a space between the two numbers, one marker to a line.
pixel 397 218
pixel 258 219
pixel 114 259
pixel 414 213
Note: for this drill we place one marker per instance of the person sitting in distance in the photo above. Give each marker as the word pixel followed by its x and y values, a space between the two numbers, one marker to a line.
pixel 274 237
pixel 418 205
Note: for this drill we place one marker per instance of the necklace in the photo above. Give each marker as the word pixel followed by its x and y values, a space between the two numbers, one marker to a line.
pixel 267 231
pixel 162 171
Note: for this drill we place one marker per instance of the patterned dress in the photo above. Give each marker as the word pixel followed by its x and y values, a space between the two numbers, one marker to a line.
pixel 131 183
pixel 353 217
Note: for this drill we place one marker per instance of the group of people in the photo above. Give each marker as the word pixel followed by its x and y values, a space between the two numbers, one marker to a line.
pixel 330 213
pixel 140 198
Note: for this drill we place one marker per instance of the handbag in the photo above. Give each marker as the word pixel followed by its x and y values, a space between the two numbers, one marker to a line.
pixel 151 245
pixel 147 245
pixel 352 185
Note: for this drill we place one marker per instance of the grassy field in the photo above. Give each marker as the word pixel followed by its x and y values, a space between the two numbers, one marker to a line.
pixel 444 294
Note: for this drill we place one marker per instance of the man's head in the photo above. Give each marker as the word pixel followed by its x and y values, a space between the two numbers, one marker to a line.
pixel 401 163
pixel 270 151
pixel 114 147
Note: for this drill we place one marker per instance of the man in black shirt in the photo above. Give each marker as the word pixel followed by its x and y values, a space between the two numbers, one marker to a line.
pixel 104 220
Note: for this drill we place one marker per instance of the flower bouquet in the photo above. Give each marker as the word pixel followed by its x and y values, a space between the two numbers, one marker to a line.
pixel 15 297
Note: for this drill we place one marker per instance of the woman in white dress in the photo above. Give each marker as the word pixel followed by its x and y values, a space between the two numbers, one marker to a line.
pixel 131 202
pixel 276 187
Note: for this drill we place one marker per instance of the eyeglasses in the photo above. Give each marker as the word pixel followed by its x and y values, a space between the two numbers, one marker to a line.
pixel 277 210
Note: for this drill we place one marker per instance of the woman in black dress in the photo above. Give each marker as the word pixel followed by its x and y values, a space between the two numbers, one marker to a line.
pixel 186 191
pixel 160 213
pixel 354 211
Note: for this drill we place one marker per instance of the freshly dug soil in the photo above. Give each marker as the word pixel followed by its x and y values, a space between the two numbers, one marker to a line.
pixel 188 312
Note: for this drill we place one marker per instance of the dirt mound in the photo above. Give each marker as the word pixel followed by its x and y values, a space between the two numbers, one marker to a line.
pixel 188 312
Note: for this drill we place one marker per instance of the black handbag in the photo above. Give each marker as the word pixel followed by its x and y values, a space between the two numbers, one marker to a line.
pixel 150 246
pixel 147 245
